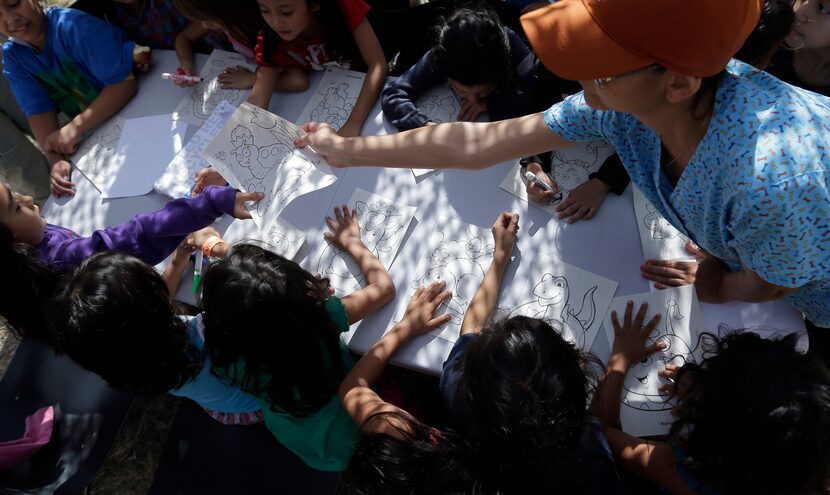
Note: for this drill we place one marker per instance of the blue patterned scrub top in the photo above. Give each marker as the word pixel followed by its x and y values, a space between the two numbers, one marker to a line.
pixel 755 193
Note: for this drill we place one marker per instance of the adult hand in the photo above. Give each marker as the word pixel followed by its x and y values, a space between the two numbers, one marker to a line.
pixel 207 177
pixel 630 337
pixel 239 210
pixel 674 273
pixel 186 70
pixel 237 77
pixel 65 140
pixel 59 181
pixel 583 202
pixel 323 139
pixel 470 110
pixel 535 192
pixel 344 227
pixel 504 231
pixel 418 318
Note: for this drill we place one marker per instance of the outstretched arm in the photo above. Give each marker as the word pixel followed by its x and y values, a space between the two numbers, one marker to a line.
pixel 371 51
pixel 653 461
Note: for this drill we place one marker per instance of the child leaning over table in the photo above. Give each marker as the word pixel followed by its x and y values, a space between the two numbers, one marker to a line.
pixel 63 60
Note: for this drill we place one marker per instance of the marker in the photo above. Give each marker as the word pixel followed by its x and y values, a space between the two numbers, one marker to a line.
pixel 197 271
pixel 180 77
pixel 536 180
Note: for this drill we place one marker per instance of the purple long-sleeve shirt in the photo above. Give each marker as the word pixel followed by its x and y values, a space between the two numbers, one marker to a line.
pixel 149 236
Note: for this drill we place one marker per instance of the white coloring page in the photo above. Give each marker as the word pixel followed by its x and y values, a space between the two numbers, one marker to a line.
pixel 96 154
pixel 659 238
pixel 439 105
pixel 283 238
pixel 335 97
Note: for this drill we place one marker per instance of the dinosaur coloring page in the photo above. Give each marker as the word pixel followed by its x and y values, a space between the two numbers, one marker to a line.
pixel 383 225
pixel 97 153
pixel 459 254
pixel 646 409
pixel 659 238
pixel 335 97
pixel 203 98
pixel 178 178
pixel 570 168
pixel 575 298
pixel 255 151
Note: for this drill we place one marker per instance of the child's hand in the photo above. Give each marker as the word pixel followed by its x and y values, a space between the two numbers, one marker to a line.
pixel 325 141
pixel 186 70
pixel 195 240
pixel 671 273
pixel 418 318
pixel 344 227
pixel 182 253
pixel 65 140
pixel 239 210
pixel 504 232
pixel 535 192
pixel 236 77
pixel 630 338
pixel 142 57
pixel 584 201
pixel 681 388
pixel 470 110
pixel 59 181
pixel 207 177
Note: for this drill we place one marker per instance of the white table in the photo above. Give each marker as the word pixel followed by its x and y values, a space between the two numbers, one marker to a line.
pixel 608 245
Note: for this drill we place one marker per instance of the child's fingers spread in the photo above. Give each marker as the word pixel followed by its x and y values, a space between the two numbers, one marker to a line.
pixel 659 346
pixel 439 300
pixel 615 322
pixel 438 321
pixel 331 223
pixel 435 288
pixel 629 307
pixel 652 324
pixel 641 315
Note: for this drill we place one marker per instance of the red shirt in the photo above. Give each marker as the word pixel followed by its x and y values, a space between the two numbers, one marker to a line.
pixel 310 54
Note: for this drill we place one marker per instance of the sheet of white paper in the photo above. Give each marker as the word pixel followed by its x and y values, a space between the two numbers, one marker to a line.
pixel 558 291
pixel 570 168
pixel 284 239
pixel 458 254
pixel 335 97
pixel 96 154
pixel 772 319
pixel 200 101
pixel 177 180
pixel 255 151
pixel 660 240
pixel 383 225
pixel 644 403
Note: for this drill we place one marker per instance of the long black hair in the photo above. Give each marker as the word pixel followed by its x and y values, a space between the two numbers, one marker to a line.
pixel 265 313
pixel 756 417
pixel 776 21
pixel 242 19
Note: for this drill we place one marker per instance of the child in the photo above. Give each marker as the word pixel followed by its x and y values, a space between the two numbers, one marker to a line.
pixel 34 253
pixel 519 392
pixel 806 60
pixel 306 35
pixel 63 60
pixel 486 64
pixel 271 327
pixel 752 417
pixel 155 23
pixel 116 318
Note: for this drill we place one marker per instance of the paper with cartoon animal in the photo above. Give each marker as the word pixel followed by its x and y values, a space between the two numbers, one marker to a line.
pixel 335 97
pixel 178 179
pixel 659 238
pixel 646 410
pixel 383 225
pixel 459 254
pixel 570 168
pixel 144 148
pixel 575 299
pixel 203 98
pixel 255 151
pixel 284 239
pixel 439 105
pixel 96 153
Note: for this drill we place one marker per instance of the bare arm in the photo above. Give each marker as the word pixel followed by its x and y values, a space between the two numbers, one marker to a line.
pixel 716 284
pixel 43 125
pixel 184 46
pixel 264 84
pixel 485 298
pixel 369 46
pixel 174 271
pixel 652 460
pixel 463 145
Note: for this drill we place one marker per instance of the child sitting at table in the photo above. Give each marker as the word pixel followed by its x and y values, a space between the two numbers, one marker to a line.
pixel 63 60
pixel 486 64
pixel 752 417
pixel 307 35
pixel 116 318
pixel 273 328
pixel 33 253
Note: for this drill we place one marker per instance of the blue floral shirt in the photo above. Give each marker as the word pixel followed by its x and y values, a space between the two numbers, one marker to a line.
pixel 755 194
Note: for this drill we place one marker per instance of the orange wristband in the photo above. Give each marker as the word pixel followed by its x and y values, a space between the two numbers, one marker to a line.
pixel 209 244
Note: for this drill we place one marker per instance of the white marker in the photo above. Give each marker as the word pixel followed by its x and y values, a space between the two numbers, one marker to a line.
pixel 536 180
pixel 180 77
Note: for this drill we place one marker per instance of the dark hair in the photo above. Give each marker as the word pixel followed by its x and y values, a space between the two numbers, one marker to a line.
pixel 472 47
pixel 756 417
pixel 523 392
pixel 776 21
pixel 340 44
pixel 242 19
pixel 421 460
pixel 27 285
pixel 266 311
pixel 115 318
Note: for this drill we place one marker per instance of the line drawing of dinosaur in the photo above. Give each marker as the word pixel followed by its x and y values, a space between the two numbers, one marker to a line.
pixel 335 106
pixel 570 173
pixel 98 151
pixel 659 227
pixel 552 301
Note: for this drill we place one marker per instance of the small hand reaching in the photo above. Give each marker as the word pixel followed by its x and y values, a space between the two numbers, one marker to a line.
pixel 419 317
pixel 584 201
pixel 539 194
pixel 674 273
pixel 237 77
pixel 345 229
pixel 630 337
pixel 207 177
pixel 504 231
pixel 239 210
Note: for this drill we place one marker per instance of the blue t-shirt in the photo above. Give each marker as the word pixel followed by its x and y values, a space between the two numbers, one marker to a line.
pixel 81 55
pixel 207 389
pixel 755 194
